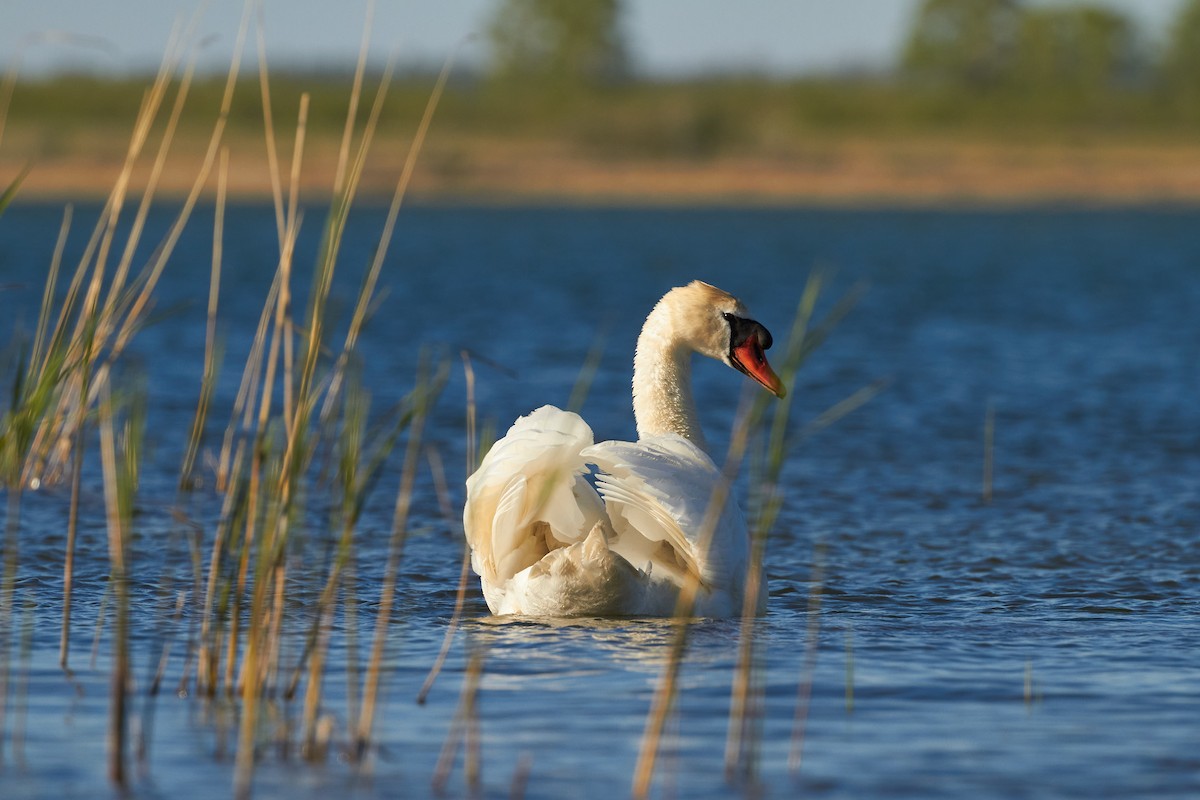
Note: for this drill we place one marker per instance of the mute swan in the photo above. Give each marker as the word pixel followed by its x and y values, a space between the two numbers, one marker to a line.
pixel 544 542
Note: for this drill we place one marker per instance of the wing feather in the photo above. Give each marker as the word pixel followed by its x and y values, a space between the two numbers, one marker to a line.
pixel 658 491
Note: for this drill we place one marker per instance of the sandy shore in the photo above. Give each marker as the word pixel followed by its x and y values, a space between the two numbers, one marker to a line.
pixel 852 171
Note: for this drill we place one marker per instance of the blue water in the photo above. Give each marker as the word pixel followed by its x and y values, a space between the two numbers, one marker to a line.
pixel 1039 645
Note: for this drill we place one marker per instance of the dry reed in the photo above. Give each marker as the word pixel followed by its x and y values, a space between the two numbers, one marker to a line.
pixel 464 568
pixel 668 684
pixel 299 399
pixel 464 731
pixel 290 407
pixel 746 704
pixel 742 740
pixel 808 670
pixel 120 467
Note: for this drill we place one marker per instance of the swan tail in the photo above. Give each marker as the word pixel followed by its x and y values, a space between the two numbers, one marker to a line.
pixel 585 579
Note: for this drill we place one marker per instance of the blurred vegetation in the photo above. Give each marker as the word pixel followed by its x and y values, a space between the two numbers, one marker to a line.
pixel 552 43
pixel 563 74
pixel 991 45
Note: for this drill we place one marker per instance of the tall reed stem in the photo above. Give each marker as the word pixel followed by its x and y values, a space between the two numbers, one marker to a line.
pixel 12 525
pixel 120 466
pixel 387 592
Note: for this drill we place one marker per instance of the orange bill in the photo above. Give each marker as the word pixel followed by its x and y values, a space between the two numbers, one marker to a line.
pixel 750 359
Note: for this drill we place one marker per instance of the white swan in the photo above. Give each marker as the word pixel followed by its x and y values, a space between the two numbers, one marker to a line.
pixel 544 542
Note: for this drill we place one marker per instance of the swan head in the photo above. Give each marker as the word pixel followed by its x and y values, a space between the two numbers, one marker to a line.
pixel 714 323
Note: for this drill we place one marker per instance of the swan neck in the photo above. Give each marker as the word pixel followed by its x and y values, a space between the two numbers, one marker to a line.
pixel 662 383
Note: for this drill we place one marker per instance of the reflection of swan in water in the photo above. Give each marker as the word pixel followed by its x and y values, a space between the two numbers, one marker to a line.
pixel 559 651
pixel 545 542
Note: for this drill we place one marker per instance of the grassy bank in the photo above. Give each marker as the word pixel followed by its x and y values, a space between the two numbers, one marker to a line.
pixel 721 140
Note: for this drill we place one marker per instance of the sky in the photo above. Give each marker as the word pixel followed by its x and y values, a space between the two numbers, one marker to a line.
pixel 668 37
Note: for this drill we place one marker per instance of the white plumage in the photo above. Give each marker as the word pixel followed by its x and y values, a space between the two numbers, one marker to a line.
pixel 546 543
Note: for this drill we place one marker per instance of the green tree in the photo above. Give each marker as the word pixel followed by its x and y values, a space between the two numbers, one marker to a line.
pixel 966 43
pixel 562 42
pixel 1181 62
pixel 1082 48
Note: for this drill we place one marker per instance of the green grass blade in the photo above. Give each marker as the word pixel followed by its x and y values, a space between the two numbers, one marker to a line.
pixel 10 191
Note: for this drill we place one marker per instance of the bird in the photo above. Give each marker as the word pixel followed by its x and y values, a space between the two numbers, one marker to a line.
pixel 561 526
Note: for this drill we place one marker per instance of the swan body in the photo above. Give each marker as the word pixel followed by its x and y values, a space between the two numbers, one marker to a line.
pixel 561 526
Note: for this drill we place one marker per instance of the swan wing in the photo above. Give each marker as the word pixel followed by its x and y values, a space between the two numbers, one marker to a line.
pixel 529 495
pixel 657 492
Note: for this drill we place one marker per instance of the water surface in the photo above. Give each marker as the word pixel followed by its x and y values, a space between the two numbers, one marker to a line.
pixel 1041 645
